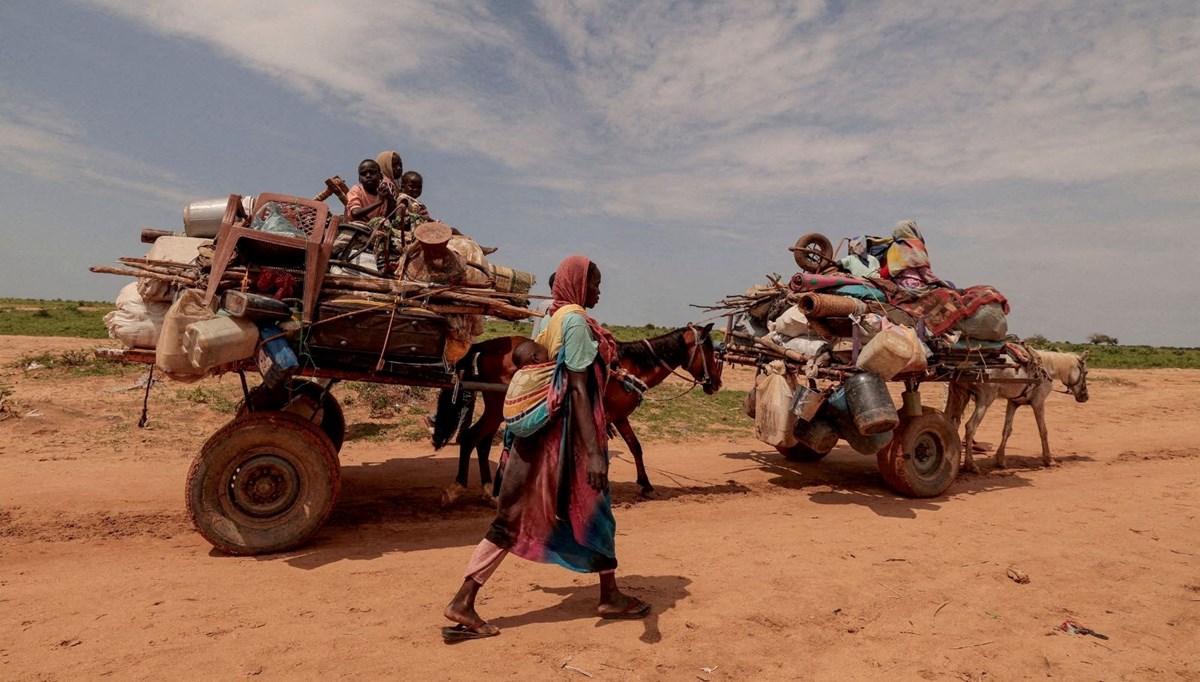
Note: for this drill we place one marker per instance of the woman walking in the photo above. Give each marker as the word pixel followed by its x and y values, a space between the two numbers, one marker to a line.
pixel 554 503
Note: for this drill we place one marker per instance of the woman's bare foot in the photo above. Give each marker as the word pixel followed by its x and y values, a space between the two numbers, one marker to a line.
pixel 616 604
pixel 461 610
pixel 624 607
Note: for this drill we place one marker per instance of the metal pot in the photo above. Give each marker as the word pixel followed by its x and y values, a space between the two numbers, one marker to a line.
pixel 203 218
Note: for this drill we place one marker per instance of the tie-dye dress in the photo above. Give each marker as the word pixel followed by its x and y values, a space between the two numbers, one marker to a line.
pixel 547 510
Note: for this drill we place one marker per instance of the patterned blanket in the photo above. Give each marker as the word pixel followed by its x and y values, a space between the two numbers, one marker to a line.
pixel 942 308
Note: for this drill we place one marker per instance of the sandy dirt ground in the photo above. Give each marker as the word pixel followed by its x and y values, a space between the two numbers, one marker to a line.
pixel 758 568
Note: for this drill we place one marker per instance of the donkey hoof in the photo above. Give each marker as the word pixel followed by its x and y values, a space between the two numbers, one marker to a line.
pixel 648 491
pixel 971 468
pixel 486 494
pixel 450 495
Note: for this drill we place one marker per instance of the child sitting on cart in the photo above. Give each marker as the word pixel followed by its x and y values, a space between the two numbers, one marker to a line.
pixel 369 199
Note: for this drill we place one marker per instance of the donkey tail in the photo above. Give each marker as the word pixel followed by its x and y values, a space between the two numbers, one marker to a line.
pixel 454 413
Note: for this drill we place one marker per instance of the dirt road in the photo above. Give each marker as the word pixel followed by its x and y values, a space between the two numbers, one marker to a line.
pixel 758 568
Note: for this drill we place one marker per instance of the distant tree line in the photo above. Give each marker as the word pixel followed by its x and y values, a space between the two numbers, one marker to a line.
pixel 1097 339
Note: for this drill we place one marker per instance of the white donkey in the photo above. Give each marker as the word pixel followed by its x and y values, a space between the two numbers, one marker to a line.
pixel 1068 368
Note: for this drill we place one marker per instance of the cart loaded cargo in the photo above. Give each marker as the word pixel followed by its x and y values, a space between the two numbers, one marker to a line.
pixel 827 342
pixel 282 287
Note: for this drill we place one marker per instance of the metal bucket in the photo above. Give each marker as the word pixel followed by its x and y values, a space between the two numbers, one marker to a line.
pixel 203 218
pixel 870 404
pixel 818 435
pixel 806 402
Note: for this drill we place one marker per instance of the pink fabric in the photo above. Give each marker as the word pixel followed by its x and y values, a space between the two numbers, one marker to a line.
pixel 803 281
pixel 570 287
pixel 358 197
pixel 485 561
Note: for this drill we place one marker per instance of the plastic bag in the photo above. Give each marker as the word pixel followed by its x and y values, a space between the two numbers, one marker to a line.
pixel 807 346
pixel 791 323
pixel 774 421
pixel 271 220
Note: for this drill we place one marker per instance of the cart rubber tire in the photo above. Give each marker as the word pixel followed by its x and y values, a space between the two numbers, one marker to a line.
pixel 922 459
pixel 265 482
pixel 331 419
pixel 801 453
pixel 812 252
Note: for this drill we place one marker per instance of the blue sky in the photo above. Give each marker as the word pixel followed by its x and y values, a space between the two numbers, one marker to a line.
pixel 1049 149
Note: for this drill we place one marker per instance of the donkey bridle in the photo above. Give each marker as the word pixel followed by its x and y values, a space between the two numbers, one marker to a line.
pixel 706 382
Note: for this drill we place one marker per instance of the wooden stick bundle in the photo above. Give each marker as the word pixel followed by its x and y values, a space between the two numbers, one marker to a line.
pixel 441 298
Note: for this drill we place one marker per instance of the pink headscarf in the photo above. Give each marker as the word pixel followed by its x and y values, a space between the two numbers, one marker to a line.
pixel 570 287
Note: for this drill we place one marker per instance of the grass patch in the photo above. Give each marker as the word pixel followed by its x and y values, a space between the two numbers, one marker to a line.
pixel 385 401
pixel 76 363
pixel 691 416
pixel 210 396
pixel 34 317
pixel 406 429
pixel 496 328
pixel 1130 357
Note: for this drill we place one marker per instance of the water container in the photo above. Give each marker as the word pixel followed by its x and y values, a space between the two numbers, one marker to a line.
pixel 870 404
pixel 889 352
pixel 203 218
pixel 867 445
pixel 818 435
pixel 219 341
pixel 169 354
pixel 275 358
pixel 838 411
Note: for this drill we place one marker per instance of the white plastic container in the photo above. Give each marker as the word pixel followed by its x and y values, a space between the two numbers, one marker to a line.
pixel 889 352
pixel 169 354
pixel 219 341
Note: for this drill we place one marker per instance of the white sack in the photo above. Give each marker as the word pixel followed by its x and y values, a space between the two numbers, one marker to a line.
pixel 135 323
pixel 774 422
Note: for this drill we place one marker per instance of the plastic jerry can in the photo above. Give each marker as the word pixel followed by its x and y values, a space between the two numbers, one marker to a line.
pixel 887 353
pixel 219 341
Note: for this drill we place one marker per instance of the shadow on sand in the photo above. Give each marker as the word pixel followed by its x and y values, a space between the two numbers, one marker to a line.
pixel 395 506
pixel 847 477
pixel 663 592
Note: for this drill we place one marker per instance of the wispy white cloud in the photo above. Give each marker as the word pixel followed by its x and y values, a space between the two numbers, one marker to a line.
pixel 40 139
pixel 650 99
pixel 1069 128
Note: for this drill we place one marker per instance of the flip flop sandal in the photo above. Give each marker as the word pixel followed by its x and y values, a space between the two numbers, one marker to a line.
pixel 636 609
pixel 462 633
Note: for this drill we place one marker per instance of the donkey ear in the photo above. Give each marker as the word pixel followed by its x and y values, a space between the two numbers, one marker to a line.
pixel 708 328
pixel 1083 357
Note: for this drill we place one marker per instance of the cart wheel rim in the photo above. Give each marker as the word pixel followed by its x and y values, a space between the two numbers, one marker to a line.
pixel 263 486
pixel 927 454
